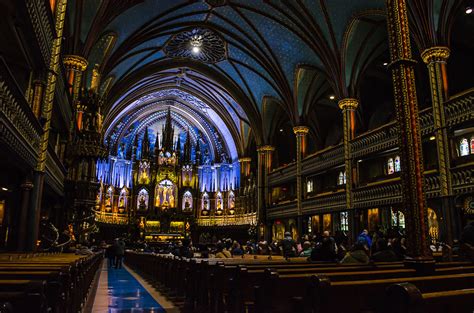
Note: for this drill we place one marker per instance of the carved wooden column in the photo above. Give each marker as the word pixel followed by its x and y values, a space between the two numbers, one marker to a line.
pixel 38 93
pixel 264 165
pixel 22 225
pixel 435 58
pixel 47 108
pixel 406 107
pixel 301 132
pixel 74 65
pixel 349 107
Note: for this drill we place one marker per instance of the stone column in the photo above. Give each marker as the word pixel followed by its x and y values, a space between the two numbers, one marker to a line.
pixel 264 166
pixel 349 107
pixel 435 58
pixel 406 107
pixel 301 132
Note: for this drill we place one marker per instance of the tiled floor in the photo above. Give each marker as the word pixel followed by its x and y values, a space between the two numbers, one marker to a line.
pixel 123 291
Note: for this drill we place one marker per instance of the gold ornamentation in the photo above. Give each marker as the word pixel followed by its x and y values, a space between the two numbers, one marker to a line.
pixel 75 62
pixel 435 54
pixel 300 130
pixel 266 148
pixel 348 104
pixel 246 159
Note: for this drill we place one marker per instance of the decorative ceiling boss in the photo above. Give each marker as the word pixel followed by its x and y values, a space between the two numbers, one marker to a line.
pixel 198 44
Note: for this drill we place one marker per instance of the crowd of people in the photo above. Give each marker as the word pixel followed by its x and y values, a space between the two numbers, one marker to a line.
pixel 377 246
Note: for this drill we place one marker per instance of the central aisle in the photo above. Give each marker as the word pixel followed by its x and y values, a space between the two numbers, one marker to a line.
pixel 123 291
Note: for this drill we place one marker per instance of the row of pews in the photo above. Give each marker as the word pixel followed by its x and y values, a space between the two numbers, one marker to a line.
pixel 46 282
pixel 295 285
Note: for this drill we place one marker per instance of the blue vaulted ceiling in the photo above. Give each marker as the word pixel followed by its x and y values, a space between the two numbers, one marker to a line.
pixel 293 52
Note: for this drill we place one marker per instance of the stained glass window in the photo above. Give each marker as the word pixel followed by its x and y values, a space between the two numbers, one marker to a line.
pixel 397 164
pixel 472 145
pixel 398 218
pixel 344 221
pixel 464 147
pixel 390 166
pixel 342 178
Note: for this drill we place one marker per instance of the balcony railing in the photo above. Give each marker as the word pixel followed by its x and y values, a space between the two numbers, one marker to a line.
pixel 19 128
pixel 228 220
pixel 111 218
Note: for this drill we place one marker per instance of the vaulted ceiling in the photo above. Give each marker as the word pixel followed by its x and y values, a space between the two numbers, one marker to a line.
pixel 263 62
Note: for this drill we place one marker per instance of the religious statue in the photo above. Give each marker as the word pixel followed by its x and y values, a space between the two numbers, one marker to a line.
pixel 171 197
pixel 142 202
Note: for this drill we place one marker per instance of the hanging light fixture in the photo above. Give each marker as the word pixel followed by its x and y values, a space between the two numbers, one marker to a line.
pixel 196 43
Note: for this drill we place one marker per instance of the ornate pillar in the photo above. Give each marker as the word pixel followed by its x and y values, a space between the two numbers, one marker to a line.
pixel 38 92
pixel 406 107
pixel 74 65
pixel 435 58
pixel 22 225
pixel 349 107
pixel 301 132
pixel 244 168
pixel 47 108
pixel 264 166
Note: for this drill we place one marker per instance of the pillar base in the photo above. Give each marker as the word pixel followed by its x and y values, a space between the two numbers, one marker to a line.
pixel 422 265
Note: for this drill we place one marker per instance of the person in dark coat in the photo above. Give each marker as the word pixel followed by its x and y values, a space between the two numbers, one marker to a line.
pixel 288 246
pixel 324 251
pixel 384 253
pixel 358 255
pixel 119 250
pixel 467 234
pixel 110 255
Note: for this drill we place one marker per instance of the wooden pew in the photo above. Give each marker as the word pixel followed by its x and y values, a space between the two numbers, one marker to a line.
pixel 362 291
pixel 407 298
pixel 23 295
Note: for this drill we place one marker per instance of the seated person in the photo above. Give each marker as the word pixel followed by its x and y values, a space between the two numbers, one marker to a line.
pixel 306 249
pixel 324 251
pixel 384 253
pixel 236 249
pixel 358 254
pixel 222 252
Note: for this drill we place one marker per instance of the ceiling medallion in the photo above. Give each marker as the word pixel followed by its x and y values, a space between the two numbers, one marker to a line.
pixel 197 44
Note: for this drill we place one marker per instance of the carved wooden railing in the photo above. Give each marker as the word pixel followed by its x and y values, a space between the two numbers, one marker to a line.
pixel 228 220
pixel 55 171
pixel 111 218
pixel 382 138
pixel 333 200
pixel 19 128
pixel 463 179
pixel 386 192
pixel 323 159
pixel 282 209
pixel 42 24
pixel 460 108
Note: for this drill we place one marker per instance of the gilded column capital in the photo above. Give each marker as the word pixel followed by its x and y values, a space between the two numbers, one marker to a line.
pixel 300 130
pixel 265 148
pixel 348 104
pixel 75 62
pixel 435 54
pixel 245 159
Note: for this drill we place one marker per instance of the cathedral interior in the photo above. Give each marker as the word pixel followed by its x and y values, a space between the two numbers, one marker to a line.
pixel 167 121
